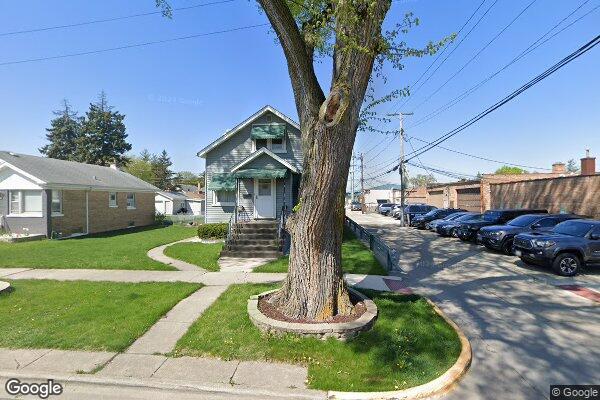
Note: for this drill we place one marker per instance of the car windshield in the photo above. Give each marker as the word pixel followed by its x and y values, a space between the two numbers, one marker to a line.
pixel 524 220
pixel 432 213
pixel 468 217
pixel 573 228
pixel 492 216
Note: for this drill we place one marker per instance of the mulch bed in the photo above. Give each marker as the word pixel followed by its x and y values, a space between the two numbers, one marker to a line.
pixel 269 310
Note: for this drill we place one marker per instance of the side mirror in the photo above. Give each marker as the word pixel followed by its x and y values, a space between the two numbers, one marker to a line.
pixel 535 226
pixel 595 236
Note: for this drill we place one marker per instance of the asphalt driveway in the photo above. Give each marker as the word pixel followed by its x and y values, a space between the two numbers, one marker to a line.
pixel 527 331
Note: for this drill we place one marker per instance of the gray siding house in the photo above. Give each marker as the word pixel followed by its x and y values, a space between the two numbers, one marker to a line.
pixel 253 171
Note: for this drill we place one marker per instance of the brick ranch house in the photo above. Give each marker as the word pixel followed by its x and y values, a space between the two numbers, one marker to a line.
pixel 50 197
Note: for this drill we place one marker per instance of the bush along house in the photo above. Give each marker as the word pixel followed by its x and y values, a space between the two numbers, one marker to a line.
pixel 252 180
pixel 57 198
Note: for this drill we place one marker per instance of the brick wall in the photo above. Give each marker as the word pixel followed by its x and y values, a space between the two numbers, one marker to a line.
pixel 575 194
pixel 102 218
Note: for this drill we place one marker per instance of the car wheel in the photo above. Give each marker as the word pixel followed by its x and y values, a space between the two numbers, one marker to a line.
pixel 507 247
pixel 566 264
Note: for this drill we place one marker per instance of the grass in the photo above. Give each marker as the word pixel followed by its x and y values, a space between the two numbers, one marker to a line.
pixel 99 316
pixel 204 255
pixel 409 345
pixel 114 250
pixel 356 259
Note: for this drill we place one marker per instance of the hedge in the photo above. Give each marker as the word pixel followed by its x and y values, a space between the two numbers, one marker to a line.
pixel 212 231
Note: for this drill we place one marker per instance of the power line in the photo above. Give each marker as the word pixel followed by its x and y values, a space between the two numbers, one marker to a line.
pixel 574 55
pixel 477 54
pixel 528 50
pixel 84 53
pixel 99 21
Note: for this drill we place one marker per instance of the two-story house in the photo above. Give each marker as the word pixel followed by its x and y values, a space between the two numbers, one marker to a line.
pixel 254 168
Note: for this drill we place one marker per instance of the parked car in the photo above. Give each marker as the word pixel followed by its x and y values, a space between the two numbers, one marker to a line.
pixel 419 222
pixel 396 210
pixel 433 224
pixel 467 231
pixel 500 237
pixel 385 208
pixel 448 228
pixel 355 206
pixel 413 210
pixel 569 246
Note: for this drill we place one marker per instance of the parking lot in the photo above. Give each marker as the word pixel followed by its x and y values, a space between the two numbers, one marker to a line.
pixel 529 328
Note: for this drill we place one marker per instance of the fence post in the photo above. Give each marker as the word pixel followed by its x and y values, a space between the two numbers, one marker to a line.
pixel 370 241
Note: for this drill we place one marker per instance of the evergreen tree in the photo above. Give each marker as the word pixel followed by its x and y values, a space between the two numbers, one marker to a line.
pixel 103 141
pixel 141 167
pixel 63 134
pixel 164 178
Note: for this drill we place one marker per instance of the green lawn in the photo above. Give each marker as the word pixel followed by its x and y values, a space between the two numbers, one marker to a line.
pixel 114 250
pixel 409 345
pixel 204 255
pixel 84 315
pixel 356 259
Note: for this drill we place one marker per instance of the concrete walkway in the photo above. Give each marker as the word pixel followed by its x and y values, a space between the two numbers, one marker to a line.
pixel 235 264
pixel 157 254
pixel 163 336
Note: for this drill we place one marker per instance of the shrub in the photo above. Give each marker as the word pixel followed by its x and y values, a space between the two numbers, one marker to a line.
pixel 159 219
pixel 212 231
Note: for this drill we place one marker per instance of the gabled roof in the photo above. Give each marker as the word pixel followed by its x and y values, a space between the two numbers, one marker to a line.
pixel 269 153
pixel 245 123
pixel 172 195
pixel 53 173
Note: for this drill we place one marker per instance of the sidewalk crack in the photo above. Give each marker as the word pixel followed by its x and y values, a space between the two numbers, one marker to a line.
pixel 234 372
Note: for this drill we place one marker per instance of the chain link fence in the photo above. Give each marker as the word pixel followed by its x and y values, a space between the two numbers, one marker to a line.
pixel 387 256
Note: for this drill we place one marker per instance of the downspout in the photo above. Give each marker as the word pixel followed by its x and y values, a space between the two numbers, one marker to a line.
pixel 87 212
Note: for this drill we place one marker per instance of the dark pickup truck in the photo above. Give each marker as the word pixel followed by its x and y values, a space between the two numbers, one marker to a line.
pixel 569 246
pixel 467 231
pixel 500 237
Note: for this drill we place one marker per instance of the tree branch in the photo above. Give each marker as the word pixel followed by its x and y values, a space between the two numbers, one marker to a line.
pixel 307 91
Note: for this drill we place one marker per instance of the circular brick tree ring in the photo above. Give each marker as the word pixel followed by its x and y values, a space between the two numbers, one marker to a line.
pixel 4 286
pixel 338 330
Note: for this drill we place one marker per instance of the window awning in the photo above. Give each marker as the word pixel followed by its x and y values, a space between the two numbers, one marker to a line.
pixel 261 173
pixel 222 182
pixel 268 131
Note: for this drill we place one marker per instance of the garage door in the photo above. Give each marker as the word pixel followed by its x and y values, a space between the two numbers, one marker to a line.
pixel 469 199
pixel 436 198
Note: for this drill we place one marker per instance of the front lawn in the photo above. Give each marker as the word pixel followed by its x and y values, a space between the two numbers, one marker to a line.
pixel 114 250
pixel 204 255
pixel 409 345
pixel 356 259
pixel 99 316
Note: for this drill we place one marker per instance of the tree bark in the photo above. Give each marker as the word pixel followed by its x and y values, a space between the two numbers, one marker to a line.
pixel 314 288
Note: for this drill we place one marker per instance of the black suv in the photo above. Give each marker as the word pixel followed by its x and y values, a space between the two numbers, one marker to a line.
pixel 467 230
pixel 448 228
pixel 500 237
pixel 414 210
pixel 419 222
pixel 566 248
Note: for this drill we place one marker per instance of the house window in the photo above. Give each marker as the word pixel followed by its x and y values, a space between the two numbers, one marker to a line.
pixel 260 143
pixel 275 145
pixel 278 145
pixel 224 198
pixel 130 201
pixel 27 202
pixel 112 200
pixel 57 197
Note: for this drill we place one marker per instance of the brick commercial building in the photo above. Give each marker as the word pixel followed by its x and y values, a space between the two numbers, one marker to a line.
pixel 45 196
pixel 475 195
pixel 578 194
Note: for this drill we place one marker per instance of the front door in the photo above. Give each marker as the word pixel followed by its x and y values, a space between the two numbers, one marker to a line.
pixel 264 198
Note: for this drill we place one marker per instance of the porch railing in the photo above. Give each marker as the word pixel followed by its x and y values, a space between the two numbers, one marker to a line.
pixel 387 256
pixel 282 234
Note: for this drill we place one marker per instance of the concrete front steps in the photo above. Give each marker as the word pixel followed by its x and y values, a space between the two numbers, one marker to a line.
pixel 257 239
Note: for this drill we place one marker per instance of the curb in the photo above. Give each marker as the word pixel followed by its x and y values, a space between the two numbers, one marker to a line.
pixel 436 387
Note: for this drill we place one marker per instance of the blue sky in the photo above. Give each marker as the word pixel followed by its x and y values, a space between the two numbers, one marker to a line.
pixel 180 96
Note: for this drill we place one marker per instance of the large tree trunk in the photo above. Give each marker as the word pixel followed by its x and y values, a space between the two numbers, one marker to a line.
pixel 314 288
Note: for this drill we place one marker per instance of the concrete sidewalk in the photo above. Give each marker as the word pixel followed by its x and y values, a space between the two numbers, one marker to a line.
pixel 157 254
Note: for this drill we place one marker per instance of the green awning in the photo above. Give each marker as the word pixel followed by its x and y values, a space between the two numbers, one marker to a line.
pixel 222 182
pixel 268 131
pixel 261 173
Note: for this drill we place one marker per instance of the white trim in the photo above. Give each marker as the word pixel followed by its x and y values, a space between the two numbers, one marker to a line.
pixel 116 204
pixel 60 197
pixel 270 146
pixel 236 129
pixel 270 154
pixel 215 203
pixel 26 215
pixel 273 196
pixel 87 213
pixel 134 206
pixel 20 171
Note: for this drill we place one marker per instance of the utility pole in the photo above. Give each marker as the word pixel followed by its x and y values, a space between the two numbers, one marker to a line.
pixel 400 116
pixel 362 183
pixel 352 177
